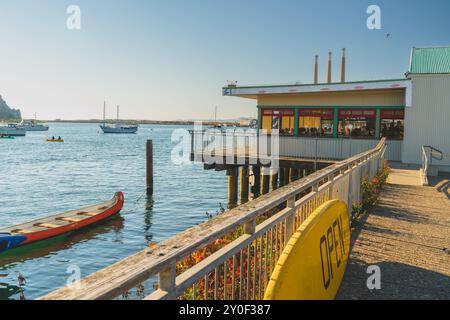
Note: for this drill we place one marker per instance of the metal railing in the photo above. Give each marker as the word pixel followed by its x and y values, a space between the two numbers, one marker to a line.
pixel 247 143
pixel 428 154
pixel 239 267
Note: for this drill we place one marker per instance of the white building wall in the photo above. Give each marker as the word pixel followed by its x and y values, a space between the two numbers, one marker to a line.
pixel 427 121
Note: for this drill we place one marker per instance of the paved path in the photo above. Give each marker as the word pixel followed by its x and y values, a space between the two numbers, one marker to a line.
pixel 405 236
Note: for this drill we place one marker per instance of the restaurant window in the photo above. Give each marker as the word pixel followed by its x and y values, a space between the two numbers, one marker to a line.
pixel 316 122
pixel 392 124
pixel 357 123
pixel 282 120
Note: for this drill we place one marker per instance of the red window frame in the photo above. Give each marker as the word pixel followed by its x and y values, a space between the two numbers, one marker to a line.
pixel 278 112
pixel 326 113
pixel 393 114
pixel 357 113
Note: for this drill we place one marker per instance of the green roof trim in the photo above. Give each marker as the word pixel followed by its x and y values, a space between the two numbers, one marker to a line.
pixel 433 60
pixel 312 84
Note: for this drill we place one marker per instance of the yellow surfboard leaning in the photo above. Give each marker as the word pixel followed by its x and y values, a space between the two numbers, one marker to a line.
pixel 313 263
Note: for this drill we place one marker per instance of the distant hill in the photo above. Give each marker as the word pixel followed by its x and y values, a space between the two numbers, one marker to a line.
pixel 7 113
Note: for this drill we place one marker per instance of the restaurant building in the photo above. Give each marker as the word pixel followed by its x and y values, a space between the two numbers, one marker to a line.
pixel 410 112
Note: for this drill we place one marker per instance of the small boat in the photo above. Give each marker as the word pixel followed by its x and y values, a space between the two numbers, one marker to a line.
pixel 3 136
pixel 33 125
pixel 55 140
pixel 59 224
pixel 13 130
pixel 118 128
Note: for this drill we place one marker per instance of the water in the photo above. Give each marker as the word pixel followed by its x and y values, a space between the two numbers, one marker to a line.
pixel 39 178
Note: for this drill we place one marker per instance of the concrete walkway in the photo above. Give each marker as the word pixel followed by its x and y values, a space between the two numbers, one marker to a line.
pixel 408 237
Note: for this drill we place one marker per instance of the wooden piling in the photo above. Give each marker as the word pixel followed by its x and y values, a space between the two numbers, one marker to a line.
pixel 286 176
pixel 149 167
pixel 265 185
pixel 274 179
pixel 244 185
pixel 292 175
pixel 256 189
pixel 282 177
pixel 232 174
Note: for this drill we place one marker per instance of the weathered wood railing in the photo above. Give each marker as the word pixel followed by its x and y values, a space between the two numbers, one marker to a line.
pixel 240 269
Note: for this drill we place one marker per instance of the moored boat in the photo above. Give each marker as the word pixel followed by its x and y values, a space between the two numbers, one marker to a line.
pixel 33 125
pixel 59 224
pixel 12 130
pixel 119 128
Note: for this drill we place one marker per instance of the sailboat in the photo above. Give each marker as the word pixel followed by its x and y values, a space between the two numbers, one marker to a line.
pixel 217 125
pixel 117 127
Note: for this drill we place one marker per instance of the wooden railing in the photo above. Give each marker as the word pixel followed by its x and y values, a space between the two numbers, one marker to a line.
pixel 241 268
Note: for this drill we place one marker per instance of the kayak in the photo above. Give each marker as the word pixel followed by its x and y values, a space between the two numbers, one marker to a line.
pixel 59 224
pixel 55 140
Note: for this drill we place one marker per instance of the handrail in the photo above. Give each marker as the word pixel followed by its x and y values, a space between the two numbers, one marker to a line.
pixel 427 160
pixel 111 282
pixel 433 151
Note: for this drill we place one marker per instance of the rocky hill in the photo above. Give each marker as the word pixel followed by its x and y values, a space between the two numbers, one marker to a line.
pixel 7 113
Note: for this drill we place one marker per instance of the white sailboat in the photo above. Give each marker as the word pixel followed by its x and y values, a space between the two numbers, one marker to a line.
pixel 117 127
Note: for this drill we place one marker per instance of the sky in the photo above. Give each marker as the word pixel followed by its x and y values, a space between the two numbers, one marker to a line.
pixel 169 59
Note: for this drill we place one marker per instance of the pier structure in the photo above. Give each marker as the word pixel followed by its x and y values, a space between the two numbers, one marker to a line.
pixel 315 143
pixel 263 240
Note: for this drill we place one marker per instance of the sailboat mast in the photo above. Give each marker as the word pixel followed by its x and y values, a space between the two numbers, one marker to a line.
pixel 104 112
pixel 117 113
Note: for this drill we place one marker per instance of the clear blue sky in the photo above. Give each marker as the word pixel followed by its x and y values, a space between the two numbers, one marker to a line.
pixel 169 59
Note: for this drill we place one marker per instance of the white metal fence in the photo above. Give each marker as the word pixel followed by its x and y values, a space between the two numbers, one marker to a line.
pixel 247 143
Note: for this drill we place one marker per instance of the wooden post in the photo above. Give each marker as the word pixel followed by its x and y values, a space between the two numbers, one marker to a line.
pixel 265 186
pixel 256 189
pixel 244 185
pixel 290 220
pixel 167 281
pixel 149 167
pixel 282 177
pixel 274 180
pixel 292 175
pixel 232 174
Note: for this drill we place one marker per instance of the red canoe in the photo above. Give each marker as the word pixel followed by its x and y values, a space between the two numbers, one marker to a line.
pixel 59 224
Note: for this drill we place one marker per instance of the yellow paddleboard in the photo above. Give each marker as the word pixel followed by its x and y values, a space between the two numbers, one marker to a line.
pixel 313 263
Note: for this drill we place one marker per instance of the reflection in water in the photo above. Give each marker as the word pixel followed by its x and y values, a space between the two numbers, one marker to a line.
pixel 71 175
pixel 47 248
pixel 148 218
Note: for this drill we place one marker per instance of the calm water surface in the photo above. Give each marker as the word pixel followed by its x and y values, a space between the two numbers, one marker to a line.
pixel 39 178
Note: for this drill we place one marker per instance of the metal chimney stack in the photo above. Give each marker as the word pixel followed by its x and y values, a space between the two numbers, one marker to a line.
pixel 329 68
pixel 343 66
pixel 316 69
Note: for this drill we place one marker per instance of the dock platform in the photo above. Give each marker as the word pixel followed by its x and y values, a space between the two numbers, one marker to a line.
pixel 408 237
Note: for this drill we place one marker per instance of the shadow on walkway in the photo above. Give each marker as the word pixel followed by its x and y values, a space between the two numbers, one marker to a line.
pixel 398 282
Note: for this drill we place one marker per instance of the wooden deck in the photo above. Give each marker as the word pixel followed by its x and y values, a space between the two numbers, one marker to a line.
pixel 408 237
